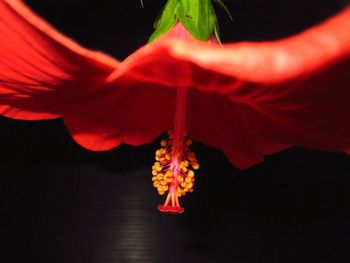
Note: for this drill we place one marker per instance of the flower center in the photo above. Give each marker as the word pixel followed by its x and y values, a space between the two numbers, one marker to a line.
pixel 175 162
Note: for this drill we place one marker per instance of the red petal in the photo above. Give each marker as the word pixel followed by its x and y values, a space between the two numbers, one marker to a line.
pixel 254 99
pixel 43 73
pixel 133 114
pixel 248 99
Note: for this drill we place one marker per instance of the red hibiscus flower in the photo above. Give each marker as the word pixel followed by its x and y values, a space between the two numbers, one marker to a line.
pixel 248 99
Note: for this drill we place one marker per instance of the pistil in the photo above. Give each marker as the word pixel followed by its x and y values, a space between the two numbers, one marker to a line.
pixel 173 170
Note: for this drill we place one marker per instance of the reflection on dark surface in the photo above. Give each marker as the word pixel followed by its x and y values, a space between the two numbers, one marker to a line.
pixel 101 207
pixel 60 203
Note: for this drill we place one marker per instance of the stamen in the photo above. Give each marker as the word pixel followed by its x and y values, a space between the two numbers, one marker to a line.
pixel 173 172
pixel 173 169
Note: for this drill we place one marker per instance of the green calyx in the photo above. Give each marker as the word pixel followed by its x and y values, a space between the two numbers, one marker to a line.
pixel 197 16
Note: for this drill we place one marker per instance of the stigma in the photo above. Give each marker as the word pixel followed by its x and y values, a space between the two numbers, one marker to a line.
pixel 173 172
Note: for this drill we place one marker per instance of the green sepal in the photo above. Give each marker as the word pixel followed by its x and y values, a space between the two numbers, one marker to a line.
pixel 168 18
pixel 198 17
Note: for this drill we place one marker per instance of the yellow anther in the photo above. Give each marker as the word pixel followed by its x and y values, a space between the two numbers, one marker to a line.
pixel 182 164
pixel 188 180
pixel 180 179
pixel 167 176
pixel 179 191
pixel 195 166
pixel 171 165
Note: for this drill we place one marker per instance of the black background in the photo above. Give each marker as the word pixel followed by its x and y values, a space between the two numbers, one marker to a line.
pixel 61 203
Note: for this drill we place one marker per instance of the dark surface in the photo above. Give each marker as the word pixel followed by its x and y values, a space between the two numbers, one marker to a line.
pixel 61 203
